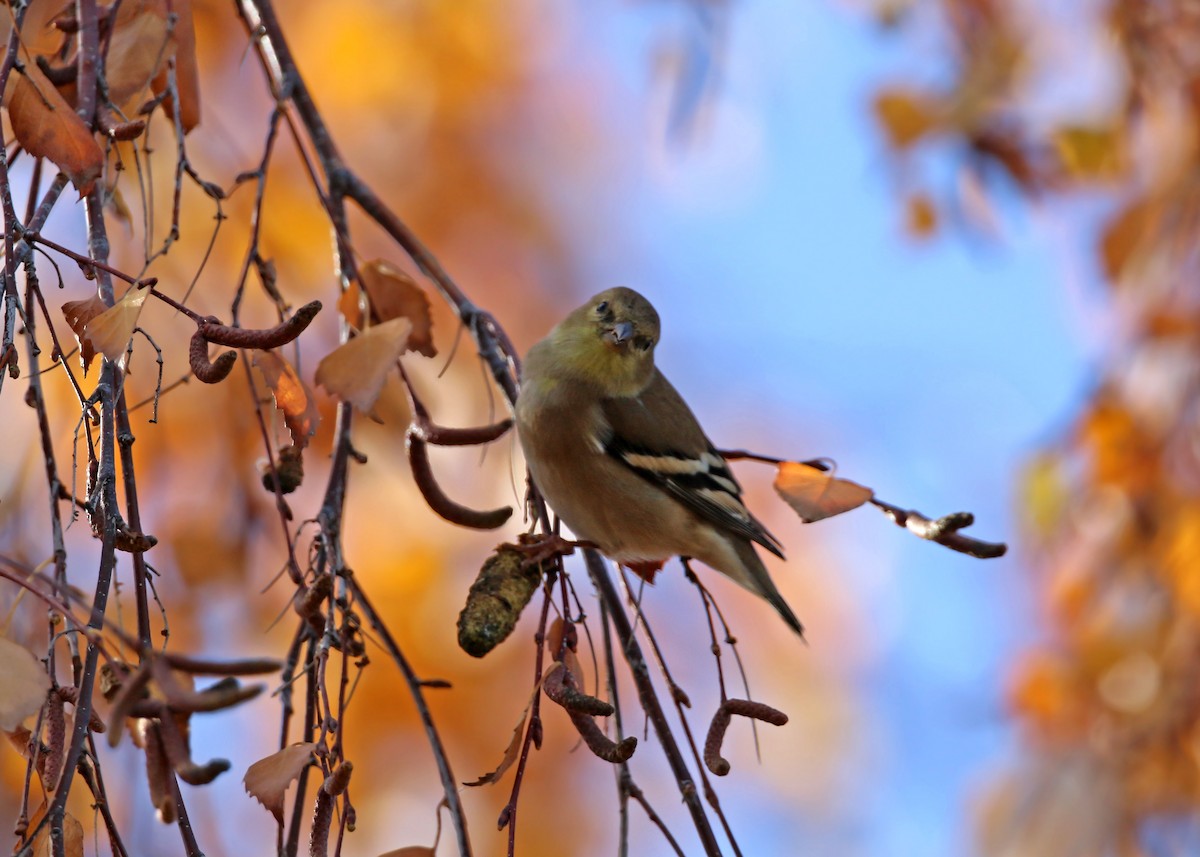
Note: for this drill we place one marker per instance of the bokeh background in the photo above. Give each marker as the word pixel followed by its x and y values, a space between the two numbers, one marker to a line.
pixel 888 234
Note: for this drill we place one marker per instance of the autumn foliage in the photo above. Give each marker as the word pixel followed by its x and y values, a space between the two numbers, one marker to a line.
pixel 240 383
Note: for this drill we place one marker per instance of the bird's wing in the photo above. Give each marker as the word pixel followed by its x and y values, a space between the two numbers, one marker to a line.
pixel 687 466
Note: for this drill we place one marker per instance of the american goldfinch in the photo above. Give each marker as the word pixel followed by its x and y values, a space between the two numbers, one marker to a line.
pixel 620 457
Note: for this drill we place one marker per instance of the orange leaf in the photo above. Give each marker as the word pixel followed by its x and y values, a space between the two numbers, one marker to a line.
pixel 267 779
pixel 355 370
pixel 393 294
pixel 110 331
pixel 1127 233
pixel 24 681
pixel 292 396
pixel 72 835
pixel 46 127
pixel 906 116
pixel 815 494
pixel 1092 153
pixel 78 314
pixel 514 746
pixel 139 47
pixel 187 76
pixel 350 305
pixel 921 217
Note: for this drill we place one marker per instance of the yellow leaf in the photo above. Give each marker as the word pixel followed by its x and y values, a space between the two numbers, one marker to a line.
pixel 815 494
pixel 1092 153
pixel 110 331
pixel 355 370
pixel 514 746
pixel 24 681
pixel 921 217
pixel 72 835
pixel 1128 231
pixel 1044 495
pixel 393 294
pixel 292 396
pixel 267 779
pixel 350 305
pixel 906 116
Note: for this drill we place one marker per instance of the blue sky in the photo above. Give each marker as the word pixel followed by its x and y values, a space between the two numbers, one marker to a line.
pixel 796 308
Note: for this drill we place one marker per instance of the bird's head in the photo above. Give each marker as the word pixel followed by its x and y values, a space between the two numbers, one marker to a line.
pixel 611 339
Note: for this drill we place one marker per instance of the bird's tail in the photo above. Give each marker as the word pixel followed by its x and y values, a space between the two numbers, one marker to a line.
pixel 759 581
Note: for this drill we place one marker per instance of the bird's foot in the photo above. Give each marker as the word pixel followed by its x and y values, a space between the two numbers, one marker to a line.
pixel 536 548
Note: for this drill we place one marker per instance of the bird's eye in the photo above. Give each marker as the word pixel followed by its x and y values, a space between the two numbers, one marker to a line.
pixel 602 307
pixel 643 343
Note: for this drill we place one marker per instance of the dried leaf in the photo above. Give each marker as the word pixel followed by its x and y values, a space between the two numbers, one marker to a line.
pixel 393 294
pixel 267 779
pixel 410 851
pixel 72 835
pixel 355 370
pixel 78 314
pixel 292 396
pixel 187 76
pixel 512 750
pixel 921 216
pixel 24 681
pixel 1126 233
pixel 815 494
pixel 1091 153
pixel 906 116
pixel 350 306
pixel 110 331
pixel 46 126
pixel 139 47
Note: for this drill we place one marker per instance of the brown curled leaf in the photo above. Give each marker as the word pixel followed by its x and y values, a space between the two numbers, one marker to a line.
pixel 337 782
pixel 175 745
pixel 443 436
pixel 756 710
pixel 599 743
pixel 418 456
pixel 208 372
pixel 111 125
pixel 560 686
pixel 712 743
pixel 272 337
pixel 720 722
pixel 199 666
pixel 224 694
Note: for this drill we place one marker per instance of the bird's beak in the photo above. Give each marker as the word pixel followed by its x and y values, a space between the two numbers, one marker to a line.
pixel 620 333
